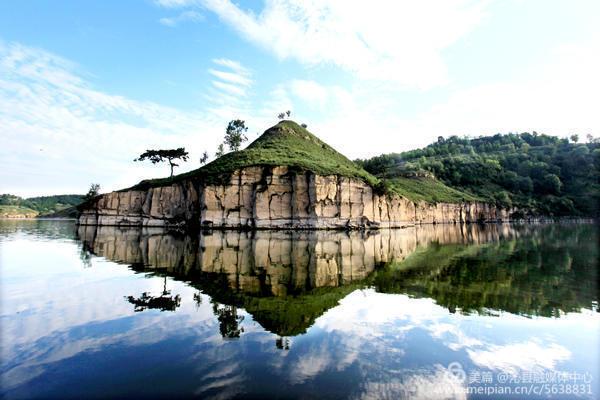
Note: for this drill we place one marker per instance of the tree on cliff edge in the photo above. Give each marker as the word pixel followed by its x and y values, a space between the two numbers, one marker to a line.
pixel 235 134
pixel 156 156
pixel 93 192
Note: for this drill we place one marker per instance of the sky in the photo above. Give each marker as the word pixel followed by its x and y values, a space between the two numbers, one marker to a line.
pixel 86 86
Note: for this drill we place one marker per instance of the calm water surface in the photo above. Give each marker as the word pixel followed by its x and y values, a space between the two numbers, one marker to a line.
pixel 427 312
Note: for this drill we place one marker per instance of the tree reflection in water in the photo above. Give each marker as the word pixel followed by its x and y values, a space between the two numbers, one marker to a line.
pixel 164 302
pixel 229 320
pixel 282 343
pixel 198 299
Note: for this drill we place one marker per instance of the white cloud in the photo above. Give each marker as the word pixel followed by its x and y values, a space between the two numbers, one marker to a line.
pixel 232 77
pixel 402 42
pixel 309 91
pixel 559 97
pixel 397 41
pixel 556 96
pixel 231 64
pixel 314 362
pixel 516 357
pixel 278 101
pixel 60 134
pixel 230 89
pixel 434 384
pixel 191 16
pixel 51 116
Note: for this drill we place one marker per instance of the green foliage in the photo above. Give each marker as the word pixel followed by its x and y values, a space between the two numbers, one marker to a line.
pixel 204 158
pixel 574 138
pixel 284 114
pixel 235 134
pixel 503 200
pixel 41 205
pixel 537 173
pixel 382 187
pixel 92 192
pixel 220 151
pixel 156 156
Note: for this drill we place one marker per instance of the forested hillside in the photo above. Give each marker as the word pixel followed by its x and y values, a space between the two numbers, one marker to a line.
pixel 539 174
pixel 12 204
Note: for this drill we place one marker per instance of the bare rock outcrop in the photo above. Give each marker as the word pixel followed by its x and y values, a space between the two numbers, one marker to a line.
pixel 275 197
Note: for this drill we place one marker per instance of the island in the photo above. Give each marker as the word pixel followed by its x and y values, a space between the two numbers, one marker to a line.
pixel 286 179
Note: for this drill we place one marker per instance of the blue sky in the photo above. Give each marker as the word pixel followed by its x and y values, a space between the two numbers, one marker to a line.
pixel 86 86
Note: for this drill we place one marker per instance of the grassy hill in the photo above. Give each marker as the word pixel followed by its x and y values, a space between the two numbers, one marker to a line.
pixel 289 144
pixel 286 143
pixel 544 175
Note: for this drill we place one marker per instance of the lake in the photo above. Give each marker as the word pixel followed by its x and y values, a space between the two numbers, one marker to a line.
pixel 437 311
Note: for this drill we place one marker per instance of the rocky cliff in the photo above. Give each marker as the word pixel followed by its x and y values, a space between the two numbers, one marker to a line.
pixel 275 197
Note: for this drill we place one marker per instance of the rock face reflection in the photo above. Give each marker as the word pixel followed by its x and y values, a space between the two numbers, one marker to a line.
pixel 285 280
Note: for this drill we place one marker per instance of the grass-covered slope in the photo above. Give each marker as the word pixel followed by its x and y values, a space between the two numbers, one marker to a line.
pixel 428 189
pixel 285 144
pixel 10 211
pixel 69 212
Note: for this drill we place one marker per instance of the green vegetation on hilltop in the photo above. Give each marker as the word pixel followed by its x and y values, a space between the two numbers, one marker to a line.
pixel 15 205
pixel 544 175
pixel 286 143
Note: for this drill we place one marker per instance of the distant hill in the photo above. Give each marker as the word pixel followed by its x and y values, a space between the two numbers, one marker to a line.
pixel 50 206
pixel 542 174
pixel 17 212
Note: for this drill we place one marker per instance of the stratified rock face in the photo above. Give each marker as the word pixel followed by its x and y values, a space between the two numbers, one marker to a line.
pixel 276 263
pixel 275 197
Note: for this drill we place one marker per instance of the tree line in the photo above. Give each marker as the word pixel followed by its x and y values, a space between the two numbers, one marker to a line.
pixel 42 204
pixel 542 174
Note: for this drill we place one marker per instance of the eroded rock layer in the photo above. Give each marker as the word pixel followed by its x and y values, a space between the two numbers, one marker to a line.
pixel 275 197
